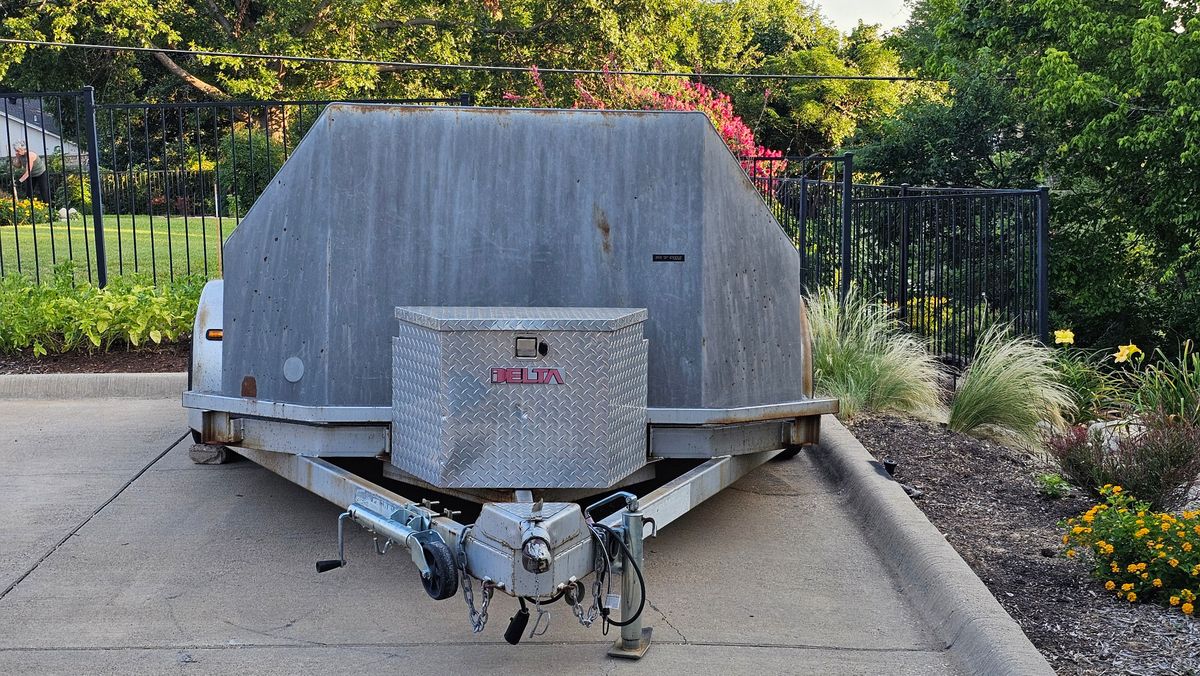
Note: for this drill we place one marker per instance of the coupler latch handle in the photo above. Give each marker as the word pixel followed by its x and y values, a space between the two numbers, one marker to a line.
pixel 428 550
pixel 326 565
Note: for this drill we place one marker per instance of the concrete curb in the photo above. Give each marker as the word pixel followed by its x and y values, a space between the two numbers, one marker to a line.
pixel 93 385
pixel 944 589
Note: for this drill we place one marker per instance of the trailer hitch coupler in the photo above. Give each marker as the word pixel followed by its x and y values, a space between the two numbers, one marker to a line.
pixel 535 555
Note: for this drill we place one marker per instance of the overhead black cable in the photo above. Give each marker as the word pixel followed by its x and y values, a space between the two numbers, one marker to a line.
pixel 417 65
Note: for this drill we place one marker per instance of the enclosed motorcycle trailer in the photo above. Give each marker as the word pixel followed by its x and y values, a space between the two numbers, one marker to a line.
pixel 531 310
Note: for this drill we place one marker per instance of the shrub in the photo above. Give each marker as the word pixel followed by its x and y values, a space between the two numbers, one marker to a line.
pixel 62 315
pixel 862 356
pixel 1094 389
pixel 1156 458
pixel 1080 456
pixel 74 192
pixel 1139 554
pixel 1009 390
pixel 1052 485
pixel 23 211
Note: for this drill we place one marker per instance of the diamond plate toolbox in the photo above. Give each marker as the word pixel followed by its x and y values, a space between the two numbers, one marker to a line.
pixel 500 397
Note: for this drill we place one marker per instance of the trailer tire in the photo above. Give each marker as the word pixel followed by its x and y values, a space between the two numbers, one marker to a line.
pixel 442 582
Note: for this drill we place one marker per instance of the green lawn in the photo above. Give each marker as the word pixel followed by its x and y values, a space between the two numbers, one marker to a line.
pixel 152 245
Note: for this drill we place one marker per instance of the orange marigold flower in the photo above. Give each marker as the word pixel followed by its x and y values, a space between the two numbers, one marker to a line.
pixel 1133 597
pixel 1187 608
pixel 1110 585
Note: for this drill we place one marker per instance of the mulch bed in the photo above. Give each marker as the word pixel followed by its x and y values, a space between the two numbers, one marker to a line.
pixel 146 359
pixel 981 495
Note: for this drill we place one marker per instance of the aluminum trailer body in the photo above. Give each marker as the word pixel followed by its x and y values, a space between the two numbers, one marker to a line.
pixel 522 308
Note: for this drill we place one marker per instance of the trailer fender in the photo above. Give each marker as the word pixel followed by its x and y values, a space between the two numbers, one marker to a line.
pixel 204 366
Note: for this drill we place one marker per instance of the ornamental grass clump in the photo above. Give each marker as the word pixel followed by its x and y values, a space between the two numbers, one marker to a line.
pixel 862 356
pixel 1011 388
pixel 1137 553
pixel 1168 385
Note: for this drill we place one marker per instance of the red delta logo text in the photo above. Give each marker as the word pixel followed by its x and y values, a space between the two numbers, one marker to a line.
pixel 525 376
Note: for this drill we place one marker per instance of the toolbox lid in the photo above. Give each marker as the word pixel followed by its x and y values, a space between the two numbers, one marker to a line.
pixel 521 318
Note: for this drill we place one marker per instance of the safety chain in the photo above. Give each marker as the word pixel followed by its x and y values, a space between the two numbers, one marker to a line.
pixel 478 618
pixel 601 568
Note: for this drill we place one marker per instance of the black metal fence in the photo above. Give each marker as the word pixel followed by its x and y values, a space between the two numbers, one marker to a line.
pixel 951 261
pixel 156 188
pixel 139 188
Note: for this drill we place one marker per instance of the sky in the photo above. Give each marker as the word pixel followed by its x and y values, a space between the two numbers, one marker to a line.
pixel 846 13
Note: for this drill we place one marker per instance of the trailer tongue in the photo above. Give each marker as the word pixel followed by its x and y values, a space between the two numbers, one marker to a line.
pixel 528 310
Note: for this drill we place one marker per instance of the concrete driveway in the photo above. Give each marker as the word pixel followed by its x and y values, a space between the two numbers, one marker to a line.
pixel 209 569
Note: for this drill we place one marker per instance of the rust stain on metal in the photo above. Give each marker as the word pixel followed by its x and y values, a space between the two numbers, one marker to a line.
pixel 604 227
pixel 202 316
pixel 249 387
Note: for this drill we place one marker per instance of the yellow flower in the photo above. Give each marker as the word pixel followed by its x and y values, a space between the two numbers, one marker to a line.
pixel 1124 352
pixel 1064 337
pixel 1127 586
pixel 1141 532
pixel 1066 539
pixel 1070 553
pixel 1173 562
pixel 1115 567
pixel 1157 582
pixel 1174 600
pixel 1187 608
pixel 1110 585
pixel 1132 597
pixel 1187 546
pixel 1117 489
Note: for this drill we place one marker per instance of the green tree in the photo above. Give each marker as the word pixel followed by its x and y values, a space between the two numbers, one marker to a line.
pixel 687 35
pixel 1100 101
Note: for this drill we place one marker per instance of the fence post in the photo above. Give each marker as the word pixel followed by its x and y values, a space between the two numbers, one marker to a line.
pixel 93 142
pixel 1043 263
pixel 847 214
pixel 466 99
pixel 904 222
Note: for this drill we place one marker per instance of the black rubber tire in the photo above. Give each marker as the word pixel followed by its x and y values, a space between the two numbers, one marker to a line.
pixel 442 582
pixel 789 453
